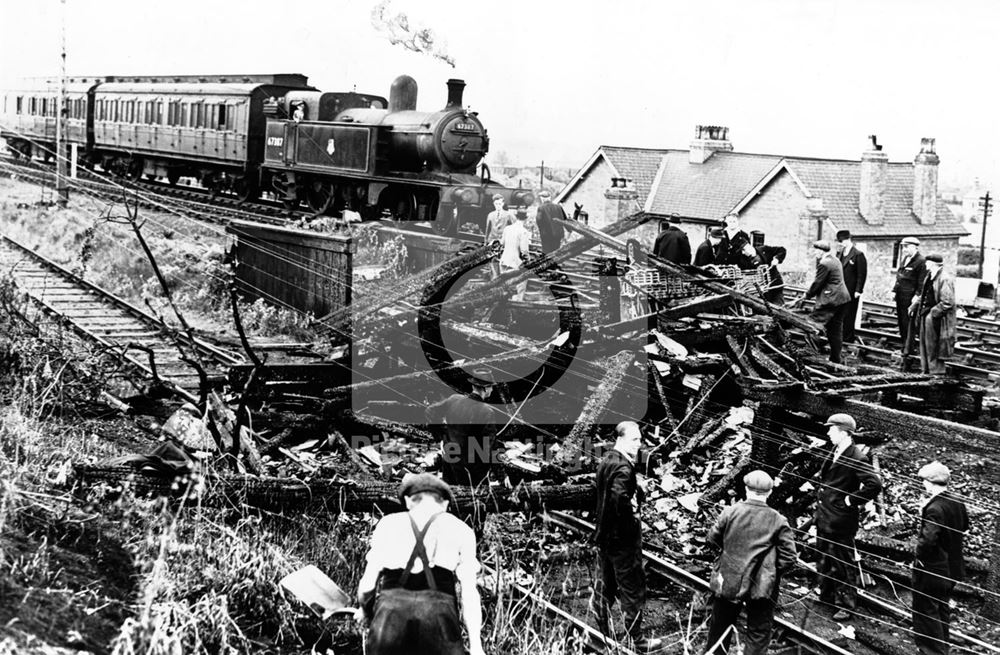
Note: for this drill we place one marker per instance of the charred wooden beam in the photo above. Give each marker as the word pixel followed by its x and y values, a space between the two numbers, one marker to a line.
pixel 294 496
pixel 893 422
pixel 616 368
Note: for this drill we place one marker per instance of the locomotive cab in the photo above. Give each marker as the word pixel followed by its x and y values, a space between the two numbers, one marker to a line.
pixel 324 106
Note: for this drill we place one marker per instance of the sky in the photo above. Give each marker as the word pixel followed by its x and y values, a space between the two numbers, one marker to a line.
pixel 553 80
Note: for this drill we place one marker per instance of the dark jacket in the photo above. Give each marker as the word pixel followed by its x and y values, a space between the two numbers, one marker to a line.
pixel 845 486
pixel 732 251
pixel 943 524
pixel 549 232
pixel 672 244
pixel 855 267
pixel 708 254
pixel 615 523
pixel 909 277
pixel 757 548
pixel 470 431
pixel 828 286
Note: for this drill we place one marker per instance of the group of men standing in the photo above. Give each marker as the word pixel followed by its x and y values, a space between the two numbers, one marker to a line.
pixel 837 288
pixel 757 545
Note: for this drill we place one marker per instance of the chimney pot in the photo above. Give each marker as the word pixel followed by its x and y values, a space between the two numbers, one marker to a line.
pixel 708 140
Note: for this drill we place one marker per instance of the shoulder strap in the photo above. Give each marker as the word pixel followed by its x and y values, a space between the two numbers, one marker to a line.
pixel 420 550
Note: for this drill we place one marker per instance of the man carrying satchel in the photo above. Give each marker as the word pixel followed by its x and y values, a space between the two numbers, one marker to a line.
pixel 757 549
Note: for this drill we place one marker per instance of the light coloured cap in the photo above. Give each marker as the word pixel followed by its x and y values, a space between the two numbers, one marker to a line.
pixel 935 257
pixel 544 193
pixel 822 244
pixel 482 377
pixel 414 483
pixel 935 472
pixel 844 421
pixel 497 196
pixel 758 481
pixel 910 241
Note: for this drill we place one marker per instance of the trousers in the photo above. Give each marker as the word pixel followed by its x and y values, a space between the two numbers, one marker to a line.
pixel 903 313
pixel 760 621
pixel 832 319
pixel 838 571
pixel 931 612
pixel 622 577
pixel 415 623
pixel 850 318
pixel 521 287
pixel 930 343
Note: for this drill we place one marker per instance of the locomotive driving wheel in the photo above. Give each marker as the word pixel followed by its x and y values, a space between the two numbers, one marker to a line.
pixel 398 204
pixel 319 195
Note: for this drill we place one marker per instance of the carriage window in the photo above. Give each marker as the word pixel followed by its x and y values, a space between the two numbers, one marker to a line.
pixel 20 104
pixel 200 121
pixel 222 116
pixel 159 112
pixel 184 114
pixel 45 106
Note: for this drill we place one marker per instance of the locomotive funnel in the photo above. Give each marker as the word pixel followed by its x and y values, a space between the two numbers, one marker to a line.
pixel 455 88
pixel 403 94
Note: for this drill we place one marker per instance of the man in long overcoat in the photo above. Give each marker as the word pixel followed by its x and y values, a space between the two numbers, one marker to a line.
pixel 936 316
pixel 909 278
pixel 831 296
pixel 847 481
pixel 673 245
pixel 938 562
pixel 549 232
pixel 855 266
pixel 757 549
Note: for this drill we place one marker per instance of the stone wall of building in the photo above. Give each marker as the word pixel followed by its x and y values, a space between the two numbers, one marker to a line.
pixel 589 192
pixel 782 214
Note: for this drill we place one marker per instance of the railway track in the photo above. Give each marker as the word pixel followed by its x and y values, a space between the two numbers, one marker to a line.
pixel 147 345
pixel 977 350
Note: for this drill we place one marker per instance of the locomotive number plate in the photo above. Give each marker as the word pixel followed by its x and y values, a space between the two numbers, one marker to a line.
pixel 466 127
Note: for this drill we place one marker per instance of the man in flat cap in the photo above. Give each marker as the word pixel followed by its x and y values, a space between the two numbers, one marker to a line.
pixel 831 297
pixel 496 221
pixel 938 562
pixel 515 241
pixel 710 250
pixel 672 244
pixel 936 316
pixel 618 534
pixel 420 562
pixel 757 549
pixel 847 481
pixel 549 232
pixel 909 278
pixel 469 448
pixel 855 266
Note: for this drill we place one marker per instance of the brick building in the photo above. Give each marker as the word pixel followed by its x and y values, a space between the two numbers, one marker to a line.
pixel 792 200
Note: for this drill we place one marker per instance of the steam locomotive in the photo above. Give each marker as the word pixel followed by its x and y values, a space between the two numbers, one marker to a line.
pixel 244 134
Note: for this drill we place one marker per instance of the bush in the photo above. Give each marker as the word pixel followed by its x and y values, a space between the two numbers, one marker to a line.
pixel 967 255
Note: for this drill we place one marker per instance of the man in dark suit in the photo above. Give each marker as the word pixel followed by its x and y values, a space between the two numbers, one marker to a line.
pixel 938 562
pixel 855 266
pixel 757 549
pixel 847 482
pixel 468 448
pixel 549 232
pixel 710 250
pixel 831 297
pixel 909 278
pixel 618 534
pixel 772 256
pixel 672 244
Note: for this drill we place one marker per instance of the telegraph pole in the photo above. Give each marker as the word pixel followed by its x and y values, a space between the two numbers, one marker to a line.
pixel 62 190
pixel 986 204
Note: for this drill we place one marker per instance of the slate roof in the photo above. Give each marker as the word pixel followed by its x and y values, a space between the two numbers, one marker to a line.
pixel 637 164
pixel 709 190
pixel 838 183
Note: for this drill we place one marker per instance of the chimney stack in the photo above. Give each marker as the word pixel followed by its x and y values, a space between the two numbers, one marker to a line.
pixel 708 139
pixel 455 88
pixel 925 183
pixel 874 182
